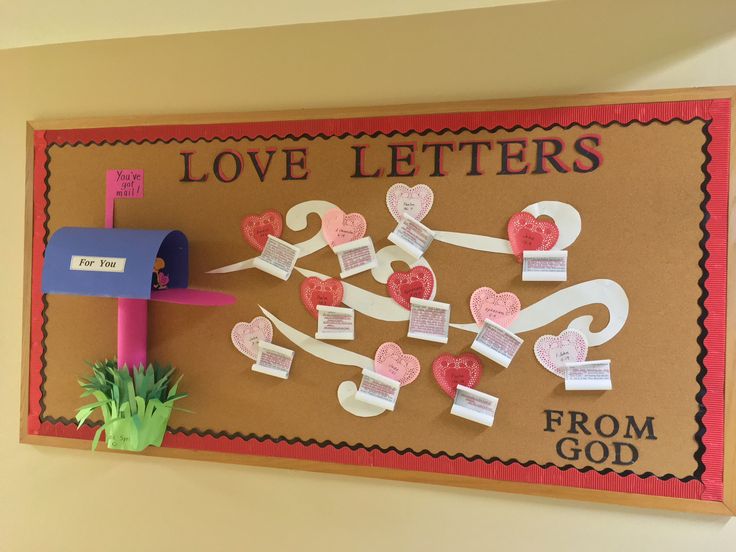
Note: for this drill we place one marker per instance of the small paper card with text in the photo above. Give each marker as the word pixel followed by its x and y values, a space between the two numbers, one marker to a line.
pixel 335 323
pixel 474 405
pixel 497 343
pixel 378 390
pixel 429 320
pixel 592 375
pixel 278 258
pixel 273 360
pixel 412 236
pixel 356 256
pixel 544 266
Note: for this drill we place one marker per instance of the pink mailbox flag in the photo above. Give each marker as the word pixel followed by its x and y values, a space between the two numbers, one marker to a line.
pixel 121 184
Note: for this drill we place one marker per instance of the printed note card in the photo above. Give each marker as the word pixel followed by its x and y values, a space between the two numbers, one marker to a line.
pixel 273 360
pixel 592 375
pixel 278 258
pixel 474 405
pixel 544 266
pixel 356 256
pixel 497 343
pixel 429 320
pixel 378 390
pixel 335 323
pixel 412 236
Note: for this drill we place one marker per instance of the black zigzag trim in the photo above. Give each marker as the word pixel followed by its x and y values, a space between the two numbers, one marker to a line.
pixel 322 136
pixel 703 311
pixel 476 458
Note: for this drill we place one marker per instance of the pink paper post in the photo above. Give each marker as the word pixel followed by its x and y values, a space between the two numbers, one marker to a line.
pixel 121 184
pixel 132 332
pixel 195 297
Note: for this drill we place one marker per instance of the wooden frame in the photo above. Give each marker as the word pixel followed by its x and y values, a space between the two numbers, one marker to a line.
pixel 726 507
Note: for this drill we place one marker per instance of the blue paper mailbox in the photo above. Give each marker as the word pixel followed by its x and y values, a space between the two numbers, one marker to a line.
pixel 134 266
pixel 114 262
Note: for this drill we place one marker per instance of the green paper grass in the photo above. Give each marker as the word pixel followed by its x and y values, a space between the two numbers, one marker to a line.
pixel 135 405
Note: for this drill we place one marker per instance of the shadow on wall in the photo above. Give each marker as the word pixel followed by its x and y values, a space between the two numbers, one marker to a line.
pixel 547 48
pixel 558 47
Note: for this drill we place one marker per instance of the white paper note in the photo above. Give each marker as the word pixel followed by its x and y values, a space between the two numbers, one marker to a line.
pixel 497 343
pixel 474 405
pixel 412 236
pixel 335 323
pixel 356 256
pixel 273 360
pixel 429 320
pixel 378 390
pixel 97 264
pixel 278 258
pixel 592 375
pixel 544 266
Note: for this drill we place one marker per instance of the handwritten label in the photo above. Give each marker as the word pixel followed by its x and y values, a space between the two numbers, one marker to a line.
pixel 497 343
pixel 356 256
pixel 474 405
pixel 335 323
pixel 278 258
pixel 429 320
pixel 544 266
pixel 273 360
pixel 412 236
pixel 378 390
pixel 97 264
pixel 121 184
pixel 593 375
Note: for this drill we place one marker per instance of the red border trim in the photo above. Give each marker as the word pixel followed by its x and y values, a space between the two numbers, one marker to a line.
pixel 718 112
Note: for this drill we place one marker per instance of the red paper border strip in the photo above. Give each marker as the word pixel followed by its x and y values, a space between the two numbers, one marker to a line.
pixel 718 112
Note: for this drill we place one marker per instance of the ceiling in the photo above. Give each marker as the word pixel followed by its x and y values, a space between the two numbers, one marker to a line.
pixel 31 23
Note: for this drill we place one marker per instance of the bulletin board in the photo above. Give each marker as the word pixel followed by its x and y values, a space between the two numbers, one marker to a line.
pixel 647 279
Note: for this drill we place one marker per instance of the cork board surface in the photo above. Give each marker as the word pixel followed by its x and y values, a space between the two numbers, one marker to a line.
pixel 641 227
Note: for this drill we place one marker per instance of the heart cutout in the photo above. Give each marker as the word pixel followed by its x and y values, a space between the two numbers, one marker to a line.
pixel 257 228
pixel 392 362
pixel 553 351
pixel 320 292
pixel 339 227
pixel 502 308
pixel 526 233
pixel 415 201
pixel 451 371
pixel 245 335
pixel 417 282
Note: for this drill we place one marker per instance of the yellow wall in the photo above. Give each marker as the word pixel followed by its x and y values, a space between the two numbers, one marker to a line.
pixel 58 500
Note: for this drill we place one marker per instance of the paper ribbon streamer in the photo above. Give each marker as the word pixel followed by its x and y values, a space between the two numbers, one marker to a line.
pixel 605 292
pixel 565 216
pixel 346 397
pixel 296 219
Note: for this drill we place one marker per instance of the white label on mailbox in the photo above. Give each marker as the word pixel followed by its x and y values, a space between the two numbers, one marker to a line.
pixel 97 264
